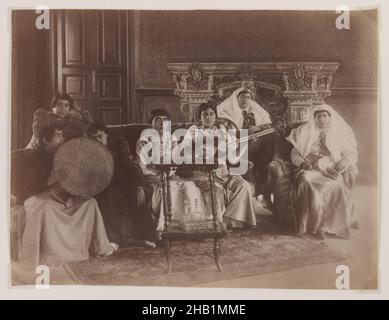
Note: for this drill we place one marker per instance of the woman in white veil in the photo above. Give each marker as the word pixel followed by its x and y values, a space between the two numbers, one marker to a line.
pixel 326 151
pixel 239 101
pixel 245 113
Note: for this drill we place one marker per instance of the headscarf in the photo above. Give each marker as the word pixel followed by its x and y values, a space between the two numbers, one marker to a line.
pixel 340 139
pixel 231 110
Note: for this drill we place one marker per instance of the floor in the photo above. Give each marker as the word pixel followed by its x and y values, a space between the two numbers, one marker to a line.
pixel 361 250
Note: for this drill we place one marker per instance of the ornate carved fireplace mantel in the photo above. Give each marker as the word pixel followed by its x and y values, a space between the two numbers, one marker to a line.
pixel 280 86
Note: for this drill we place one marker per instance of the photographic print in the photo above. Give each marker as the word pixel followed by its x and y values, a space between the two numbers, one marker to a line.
pixel 194 148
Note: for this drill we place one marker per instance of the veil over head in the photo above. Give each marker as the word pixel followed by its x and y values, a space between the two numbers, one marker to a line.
pixel 231 110
pixel 340 139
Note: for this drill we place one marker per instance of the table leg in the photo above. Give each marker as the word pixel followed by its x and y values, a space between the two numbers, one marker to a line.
pixel 168 245
pixel 216 252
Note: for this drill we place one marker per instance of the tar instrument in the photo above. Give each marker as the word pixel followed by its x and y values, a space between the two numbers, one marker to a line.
pixel 256 135
pixel 228 124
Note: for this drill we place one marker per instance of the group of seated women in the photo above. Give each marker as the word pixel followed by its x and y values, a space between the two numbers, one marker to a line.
pixel 60 227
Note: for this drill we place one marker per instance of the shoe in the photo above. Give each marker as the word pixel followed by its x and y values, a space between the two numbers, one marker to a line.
pixel 320 235
pixel 354 225
pixel 224 229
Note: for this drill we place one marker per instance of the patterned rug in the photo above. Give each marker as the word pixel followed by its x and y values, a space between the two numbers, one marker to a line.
pixel 244 253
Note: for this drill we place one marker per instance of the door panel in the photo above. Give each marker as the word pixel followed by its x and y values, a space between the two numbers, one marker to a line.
pixel 92 55
pixel 74 38
pixel 111 67
pixel 73 70
pixel 109 38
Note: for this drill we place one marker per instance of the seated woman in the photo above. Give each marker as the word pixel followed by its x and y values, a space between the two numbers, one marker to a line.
pixel 30 171
pixel 233 193
pixel 326 151
pixel 121 203
pixel 62 112
pixel 61 228
pixel 181 191
pixel 245 113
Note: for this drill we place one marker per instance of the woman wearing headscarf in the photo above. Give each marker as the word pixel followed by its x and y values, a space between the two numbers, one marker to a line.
pixel 121 203
pixel 62 112
pixel 233 195
pixel 185 197
pixel 245 113
pixel 326 151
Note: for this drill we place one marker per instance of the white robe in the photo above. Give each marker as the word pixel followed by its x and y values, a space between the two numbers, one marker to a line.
pixel 55 234
pixel 324 204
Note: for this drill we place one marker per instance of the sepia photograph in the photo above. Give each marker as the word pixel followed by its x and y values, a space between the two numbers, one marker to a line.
pixel 194 148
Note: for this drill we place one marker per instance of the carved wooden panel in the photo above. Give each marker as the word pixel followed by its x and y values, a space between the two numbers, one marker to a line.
pixel 110 115
pixel 75 86
pixel 109 86
pixel 74 38
pixel 109 38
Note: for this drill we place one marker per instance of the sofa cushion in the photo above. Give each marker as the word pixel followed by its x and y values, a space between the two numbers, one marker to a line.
pixel 131 132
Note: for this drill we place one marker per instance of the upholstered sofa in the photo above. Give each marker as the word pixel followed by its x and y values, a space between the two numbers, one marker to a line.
pixel 280 179
pixel 281 170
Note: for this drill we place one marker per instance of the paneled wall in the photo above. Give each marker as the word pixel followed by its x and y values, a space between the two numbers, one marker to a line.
pixel 236 36
pixel 30 74
pixel 359 109
pixel 271 36
pixel 128 84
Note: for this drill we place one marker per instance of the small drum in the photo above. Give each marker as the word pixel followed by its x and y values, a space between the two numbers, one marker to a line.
pixel 88 165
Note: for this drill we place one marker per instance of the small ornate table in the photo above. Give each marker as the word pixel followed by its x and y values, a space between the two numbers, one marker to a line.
pixel 172 233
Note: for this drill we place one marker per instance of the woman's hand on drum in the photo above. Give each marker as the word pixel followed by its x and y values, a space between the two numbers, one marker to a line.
pixel 85 196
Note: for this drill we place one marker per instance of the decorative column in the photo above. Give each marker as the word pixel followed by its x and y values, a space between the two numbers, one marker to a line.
pixel 303 84
pixel 194 86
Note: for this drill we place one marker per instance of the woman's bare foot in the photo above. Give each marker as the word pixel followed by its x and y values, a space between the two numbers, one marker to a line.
pixel 148 244
pixel 115 247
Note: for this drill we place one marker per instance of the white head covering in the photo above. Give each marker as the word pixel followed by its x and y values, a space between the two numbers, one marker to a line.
pixel 231 110
pixel 340 138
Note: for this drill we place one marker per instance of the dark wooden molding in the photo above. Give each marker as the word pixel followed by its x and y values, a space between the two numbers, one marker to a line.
pixel 354 92
pixel 144 91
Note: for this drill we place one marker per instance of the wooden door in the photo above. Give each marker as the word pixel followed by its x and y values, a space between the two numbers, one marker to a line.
pixel 92 61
